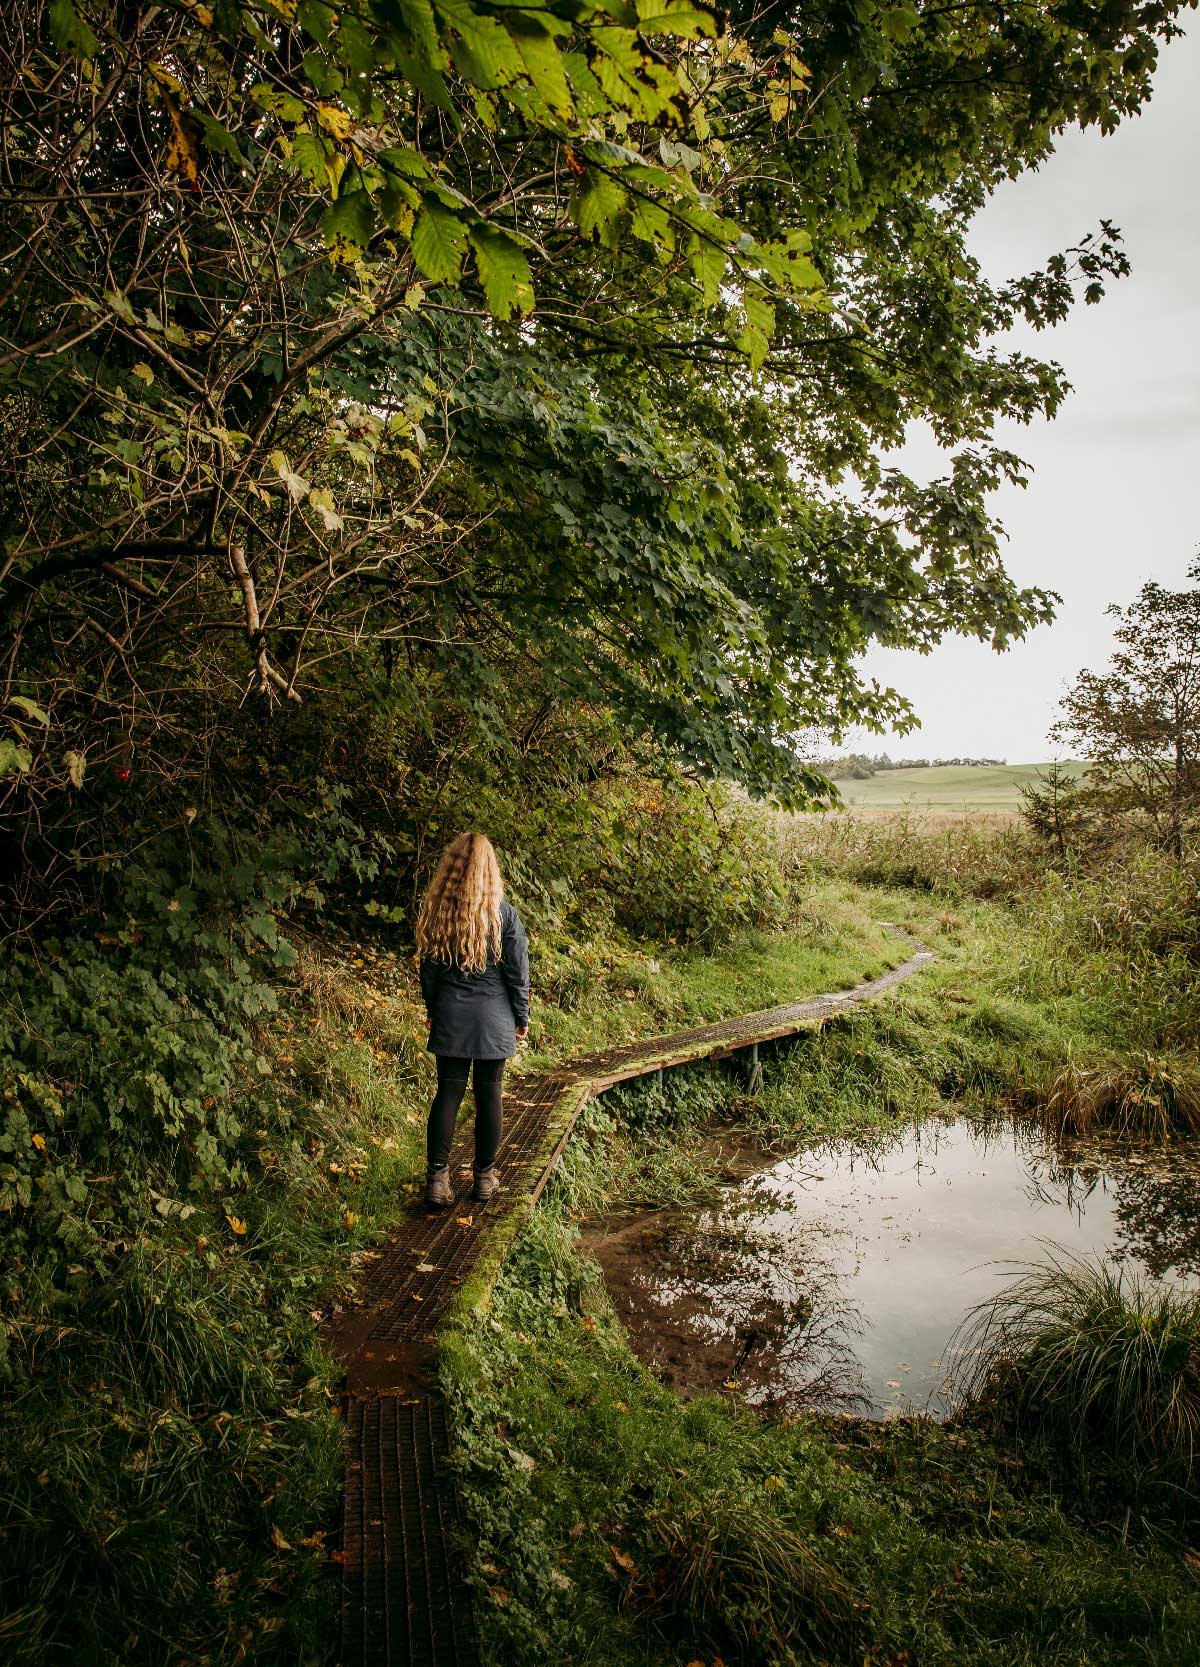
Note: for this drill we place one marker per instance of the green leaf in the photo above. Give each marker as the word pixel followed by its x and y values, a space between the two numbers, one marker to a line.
pixel 661 17
pixel 349 223
pixel 503 272
pixel 755 340
pixel 708 261
pixel 543 64
pixel 14 760
pixel 310 154
pixel 899 23
pixel 216 137
pixel 399 159
pixel 31 709
pixel 598 205
pixel 485 52
pixel 69 32
pixel 283 105
pixel 439 242
pixel 421 28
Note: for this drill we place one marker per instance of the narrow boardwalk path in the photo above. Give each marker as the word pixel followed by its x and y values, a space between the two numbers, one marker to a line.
pixel 405 1599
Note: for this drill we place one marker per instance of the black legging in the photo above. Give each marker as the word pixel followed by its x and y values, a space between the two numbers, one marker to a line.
pixel 489 1118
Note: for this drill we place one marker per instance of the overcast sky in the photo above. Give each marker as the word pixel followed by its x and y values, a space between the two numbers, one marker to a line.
pixel 1114 497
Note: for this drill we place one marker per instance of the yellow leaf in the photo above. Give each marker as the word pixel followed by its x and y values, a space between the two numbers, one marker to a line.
pixel 349 1219
pixel 238 1226
pixel 165 78
pixel 277 1539
pixel 623 1560
pixel 465 1221
pixel 335 121
pixel 39 1140
pixel 181 150
pixel 143 373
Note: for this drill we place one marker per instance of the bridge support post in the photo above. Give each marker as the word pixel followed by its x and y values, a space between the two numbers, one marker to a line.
pixel 754 1071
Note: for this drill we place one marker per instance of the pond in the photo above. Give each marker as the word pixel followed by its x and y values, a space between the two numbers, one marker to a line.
pixel 836 1277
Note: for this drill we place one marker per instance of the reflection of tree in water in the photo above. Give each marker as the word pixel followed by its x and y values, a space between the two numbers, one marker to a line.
pixel 1155 1192
pixel 1158 1219
pixel 790 1328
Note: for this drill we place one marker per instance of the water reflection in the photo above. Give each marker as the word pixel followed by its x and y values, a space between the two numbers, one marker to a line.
pixel 836 1277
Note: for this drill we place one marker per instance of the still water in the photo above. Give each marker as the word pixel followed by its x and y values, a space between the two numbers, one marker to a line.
pixel 837 1277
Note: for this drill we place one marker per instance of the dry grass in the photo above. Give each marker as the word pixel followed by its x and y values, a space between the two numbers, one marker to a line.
pixel 1149 1094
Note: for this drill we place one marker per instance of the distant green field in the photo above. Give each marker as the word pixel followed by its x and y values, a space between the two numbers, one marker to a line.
pixel 947 787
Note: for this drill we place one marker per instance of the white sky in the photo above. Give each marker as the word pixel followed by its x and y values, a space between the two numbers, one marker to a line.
pixel 1114 497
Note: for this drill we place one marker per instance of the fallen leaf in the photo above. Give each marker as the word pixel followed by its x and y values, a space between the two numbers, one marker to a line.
pixel 426 1267
pixel 623 1560
pixel 465 1221
pixel 238 1225
pixel 349 1218
pixel 39 1140
pixel 277 1539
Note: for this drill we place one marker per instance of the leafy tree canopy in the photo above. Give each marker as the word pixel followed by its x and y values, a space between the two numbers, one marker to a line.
pixel 1138 722
pixel 413 337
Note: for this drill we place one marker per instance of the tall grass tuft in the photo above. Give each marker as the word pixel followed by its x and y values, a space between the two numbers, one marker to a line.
pixel 1101 1366
pixel 1148 1094
pixel 744 1583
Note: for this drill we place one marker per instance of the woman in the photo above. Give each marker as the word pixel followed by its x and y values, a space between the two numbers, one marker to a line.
pixel 475 981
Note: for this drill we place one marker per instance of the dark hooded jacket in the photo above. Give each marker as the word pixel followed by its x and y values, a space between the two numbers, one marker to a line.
pixel 476 1015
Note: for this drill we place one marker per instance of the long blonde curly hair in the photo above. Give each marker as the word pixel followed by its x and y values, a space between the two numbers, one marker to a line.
pixel 459 919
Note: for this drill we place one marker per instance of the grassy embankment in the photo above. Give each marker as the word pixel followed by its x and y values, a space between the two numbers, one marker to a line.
pixel 614 1523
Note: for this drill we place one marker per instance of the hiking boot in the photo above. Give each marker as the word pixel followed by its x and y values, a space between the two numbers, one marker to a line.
pixel 486 1182
pixel 438 1192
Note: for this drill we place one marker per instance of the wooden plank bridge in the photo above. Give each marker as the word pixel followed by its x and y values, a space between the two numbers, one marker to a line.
pixel 406 1601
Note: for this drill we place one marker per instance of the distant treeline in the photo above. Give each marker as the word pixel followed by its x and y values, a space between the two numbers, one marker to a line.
pixel 858 766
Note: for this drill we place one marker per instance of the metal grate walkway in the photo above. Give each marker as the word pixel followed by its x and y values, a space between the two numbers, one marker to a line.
pixel 405 1597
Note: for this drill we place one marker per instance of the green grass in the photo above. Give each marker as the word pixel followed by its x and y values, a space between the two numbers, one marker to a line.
pixel 1099 1364
pixel 949 787
pixel 593 995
